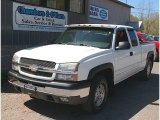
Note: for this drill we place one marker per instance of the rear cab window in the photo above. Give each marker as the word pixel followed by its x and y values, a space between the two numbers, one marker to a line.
pixel 133 37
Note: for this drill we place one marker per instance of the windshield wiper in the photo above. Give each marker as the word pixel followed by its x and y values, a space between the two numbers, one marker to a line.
pixel 86 45
pixel 61 43
pixel 74 44
pixel 82 45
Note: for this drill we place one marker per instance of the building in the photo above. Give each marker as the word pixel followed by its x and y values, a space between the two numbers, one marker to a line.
pixel 138 25
pixel 29 23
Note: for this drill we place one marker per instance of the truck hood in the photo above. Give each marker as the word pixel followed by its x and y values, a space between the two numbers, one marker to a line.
pixel 59 53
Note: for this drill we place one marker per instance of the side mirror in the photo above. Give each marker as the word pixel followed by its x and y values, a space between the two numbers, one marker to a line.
pixel 123 46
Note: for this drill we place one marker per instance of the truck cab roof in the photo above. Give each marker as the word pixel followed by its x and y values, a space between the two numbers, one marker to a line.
pixel 98 25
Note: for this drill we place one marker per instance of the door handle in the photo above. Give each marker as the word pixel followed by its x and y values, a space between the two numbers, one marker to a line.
pixel 131 53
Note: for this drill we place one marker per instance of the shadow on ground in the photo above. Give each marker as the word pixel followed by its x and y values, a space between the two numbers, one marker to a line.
pixel 7 88
pixel 129 98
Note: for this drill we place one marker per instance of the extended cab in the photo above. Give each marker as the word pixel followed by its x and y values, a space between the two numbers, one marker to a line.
pixel 83 65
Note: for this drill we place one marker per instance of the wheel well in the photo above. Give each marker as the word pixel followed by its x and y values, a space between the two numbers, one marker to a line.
pixel 151 57
pixel 108 74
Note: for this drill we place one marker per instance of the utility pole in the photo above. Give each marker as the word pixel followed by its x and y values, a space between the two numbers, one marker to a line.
pixel 126 1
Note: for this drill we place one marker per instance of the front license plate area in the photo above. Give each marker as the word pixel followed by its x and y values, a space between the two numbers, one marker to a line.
pixel 30 89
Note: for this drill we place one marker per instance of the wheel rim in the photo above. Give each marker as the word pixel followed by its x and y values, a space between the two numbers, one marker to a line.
pixel 148 69
pixel 99 95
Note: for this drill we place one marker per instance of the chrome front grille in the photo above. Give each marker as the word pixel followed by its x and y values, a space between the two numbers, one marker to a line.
pixel 39 63
pixel 37 67
pixel 37 73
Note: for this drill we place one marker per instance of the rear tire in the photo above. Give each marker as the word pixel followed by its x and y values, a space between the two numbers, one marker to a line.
pixel 147 71
pixel 98 95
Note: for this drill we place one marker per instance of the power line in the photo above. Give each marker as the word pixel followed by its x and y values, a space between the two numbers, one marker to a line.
pixel 144 12
pixel 146 9
pixel 140 13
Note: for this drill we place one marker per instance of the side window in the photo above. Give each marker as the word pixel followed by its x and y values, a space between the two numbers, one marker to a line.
pixel 77 6
pixel 33 2
pixel 140 40
pixel 133 37
pixel 121 37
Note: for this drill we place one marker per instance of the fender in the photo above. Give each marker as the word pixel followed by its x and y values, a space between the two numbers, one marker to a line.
pixel 99 68
pixel 103 67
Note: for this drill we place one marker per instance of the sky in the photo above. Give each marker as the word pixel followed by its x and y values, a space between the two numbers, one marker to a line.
pixel 142 5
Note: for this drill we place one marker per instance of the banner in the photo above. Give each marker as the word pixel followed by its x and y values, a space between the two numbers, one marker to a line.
pixel 33 18
pixel 98 12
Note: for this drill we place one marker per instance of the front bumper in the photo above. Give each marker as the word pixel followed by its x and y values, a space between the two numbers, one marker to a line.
pixel 55 91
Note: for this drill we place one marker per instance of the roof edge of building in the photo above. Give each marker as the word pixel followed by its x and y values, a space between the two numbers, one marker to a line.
pixel 121 3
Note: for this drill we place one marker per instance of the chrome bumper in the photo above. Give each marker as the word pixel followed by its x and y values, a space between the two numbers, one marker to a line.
pixel 53 91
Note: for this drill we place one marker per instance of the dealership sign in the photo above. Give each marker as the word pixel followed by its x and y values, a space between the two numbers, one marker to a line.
pixel 33 18
pixel 98 12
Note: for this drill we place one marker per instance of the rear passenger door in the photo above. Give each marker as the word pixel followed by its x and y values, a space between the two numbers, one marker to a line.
pixel 135 51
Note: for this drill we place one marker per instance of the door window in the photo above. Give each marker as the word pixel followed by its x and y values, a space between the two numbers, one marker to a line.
pixel 122 40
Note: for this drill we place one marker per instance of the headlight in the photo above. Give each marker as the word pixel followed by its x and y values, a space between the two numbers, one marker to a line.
pixel 15 62
pixel 68 71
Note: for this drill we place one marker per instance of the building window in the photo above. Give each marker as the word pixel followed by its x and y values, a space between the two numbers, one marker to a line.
pixel 77 6
pixel 57 4
pixel 33 2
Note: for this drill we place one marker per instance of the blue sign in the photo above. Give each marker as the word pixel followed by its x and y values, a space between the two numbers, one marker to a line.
pixel 103 14
pixel 98 12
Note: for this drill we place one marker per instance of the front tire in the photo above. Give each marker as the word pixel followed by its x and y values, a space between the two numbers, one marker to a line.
pixel 98 95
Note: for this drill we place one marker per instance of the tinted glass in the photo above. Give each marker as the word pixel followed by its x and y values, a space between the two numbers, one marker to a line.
pixel 133 37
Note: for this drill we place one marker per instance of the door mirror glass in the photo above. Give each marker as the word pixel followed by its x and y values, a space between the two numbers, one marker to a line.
pixel 123 45
pixel 140 40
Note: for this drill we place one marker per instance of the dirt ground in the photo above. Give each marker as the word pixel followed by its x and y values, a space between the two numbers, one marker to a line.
pixel 133 99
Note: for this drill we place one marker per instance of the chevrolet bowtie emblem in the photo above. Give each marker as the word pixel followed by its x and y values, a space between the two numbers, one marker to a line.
pixel 33 68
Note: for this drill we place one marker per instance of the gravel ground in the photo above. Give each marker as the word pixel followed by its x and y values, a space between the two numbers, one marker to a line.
pixel 133 99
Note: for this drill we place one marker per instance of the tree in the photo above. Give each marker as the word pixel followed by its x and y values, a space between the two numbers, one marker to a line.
pixel 134 18
pixel 150 19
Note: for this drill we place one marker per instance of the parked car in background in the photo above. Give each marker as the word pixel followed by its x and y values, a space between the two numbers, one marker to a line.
pixel 156 38
pixel 151 37
pixel 148 38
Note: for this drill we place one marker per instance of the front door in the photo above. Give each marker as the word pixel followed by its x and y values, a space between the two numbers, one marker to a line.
pixel 122 55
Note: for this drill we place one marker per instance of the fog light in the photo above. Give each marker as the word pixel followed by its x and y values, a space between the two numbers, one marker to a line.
pixel 64 99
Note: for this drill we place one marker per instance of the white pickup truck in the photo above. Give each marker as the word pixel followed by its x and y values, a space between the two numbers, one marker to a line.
pixel 82 65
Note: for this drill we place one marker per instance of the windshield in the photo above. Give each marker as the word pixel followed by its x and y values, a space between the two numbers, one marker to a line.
pixel 147 37
pixel 93 37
